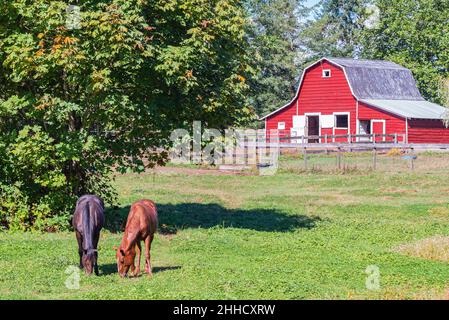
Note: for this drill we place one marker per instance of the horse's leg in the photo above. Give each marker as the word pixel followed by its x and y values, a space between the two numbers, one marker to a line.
pixel 79 238
pixel 148 241
pixel 96 238
pixel 139 251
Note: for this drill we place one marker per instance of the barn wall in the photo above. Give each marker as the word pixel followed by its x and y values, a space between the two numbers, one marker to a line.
pixel 327 95
pixel 285 115
pixel 427 131
pixel 393 123
pixel 319 95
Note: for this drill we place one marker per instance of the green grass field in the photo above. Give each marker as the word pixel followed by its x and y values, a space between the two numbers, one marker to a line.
pixel 289 236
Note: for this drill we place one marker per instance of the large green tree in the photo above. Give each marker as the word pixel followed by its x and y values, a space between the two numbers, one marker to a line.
pixel 336 29
pixel 415 34
pixel 276 51
pixel 80 95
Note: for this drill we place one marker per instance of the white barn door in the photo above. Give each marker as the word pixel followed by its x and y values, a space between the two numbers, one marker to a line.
pixel 298 130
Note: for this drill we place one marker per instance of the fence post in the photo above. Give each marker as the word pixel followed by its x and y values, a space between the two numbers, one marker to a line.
pixel 350 141
pixel 339 158
pixel 412 164
pixel 374 158
pixel 395 138
pixel 305 158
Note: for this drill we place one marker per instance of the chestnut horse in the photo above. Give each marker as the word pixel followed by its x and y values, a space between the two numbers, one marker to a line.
pixel 87 221
pixel 140 226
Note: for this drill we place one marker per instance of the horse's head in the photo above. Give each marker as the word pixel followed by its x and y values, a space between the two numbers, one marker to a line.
pixel 125 260
pixel 89 260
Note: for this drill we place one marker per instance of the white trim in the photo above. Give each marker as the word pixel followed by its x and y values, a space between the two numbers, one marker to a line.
pixel 358 129
pixel 323 73
pixel 343 114
pixel 283 125
pixel 349 123
pixel 313 114
pixel 406 130
pixel 384 126
pixel 302 79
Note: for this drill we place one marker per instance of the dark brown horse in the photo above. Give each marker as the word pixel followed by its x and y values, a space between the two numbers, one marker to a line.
pixel 140 226
pixel 87 221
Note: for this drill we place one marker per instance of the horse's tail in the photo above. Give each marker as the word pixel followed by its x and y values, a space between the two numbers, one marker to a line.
pixel 87 228
pixel 155 219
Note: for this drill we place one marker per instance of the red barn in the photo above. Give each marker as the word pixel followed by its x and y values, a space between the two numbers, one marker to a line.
pixel 345 96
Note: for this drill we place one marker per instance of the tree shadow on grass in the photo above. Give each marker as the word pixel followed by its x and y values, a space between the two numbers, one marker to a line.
pixel 196 215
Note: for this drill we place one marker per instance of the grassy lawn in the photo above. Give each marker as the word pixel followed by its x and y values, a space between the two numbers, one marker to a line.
pixel 289 236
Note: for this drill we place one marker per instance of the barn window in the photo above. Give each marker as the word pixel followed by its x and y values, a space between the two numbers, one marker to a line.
pixel 327 73
pixel 341 121
pixel 281 125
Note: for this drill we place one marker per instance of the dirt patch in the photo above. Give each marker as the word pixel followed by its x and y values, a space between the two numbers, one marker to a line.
pixel 191 171
pixel 439 212
pixel 434 248
pixel 400 191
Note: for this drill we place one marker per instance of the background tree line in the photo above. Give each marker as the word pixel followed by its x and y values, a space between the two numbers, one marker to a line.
pixel 77 104
pixel 289 36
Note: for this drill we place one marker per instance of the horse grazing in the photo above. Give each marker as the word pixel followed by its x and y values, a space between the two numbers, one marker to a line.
pixel 87 221
pixel 140 226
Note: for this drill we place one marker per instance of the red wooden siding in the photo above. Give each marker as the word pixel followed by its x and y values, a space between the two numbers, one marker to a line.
pixel 427 131
pixel 393 124
pixel 326 95
pixel 319 95
pixel 285 115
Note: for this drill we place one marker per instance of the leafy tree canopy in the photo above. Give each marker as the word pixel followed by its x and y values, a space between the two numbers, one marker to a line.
pixel 79 100
pixel 337 28
pixel 415 34
pixel 275 35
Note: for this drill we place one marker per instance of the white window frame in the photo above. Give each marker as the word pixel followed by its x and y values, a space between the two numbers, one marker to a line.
pixel 279 125
pixel 349 123
pixel 357 131
pixel 325 71
pixel 348 114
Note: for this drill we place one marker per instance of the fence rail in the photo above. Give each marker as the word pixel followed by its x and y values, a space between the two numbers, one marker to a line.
pixel 339 138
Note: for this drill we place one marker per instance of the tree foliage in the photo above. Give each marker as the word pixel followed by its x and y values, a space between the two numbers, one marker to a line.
pixel 415 34
pixel 337 29
pixel 76 102
pixel 276 50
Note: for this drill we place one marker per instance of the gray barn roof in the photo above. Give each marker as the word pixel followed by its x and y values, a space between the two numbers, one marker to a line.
pixel 370 79
pixel 382 84
pixel 411 109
